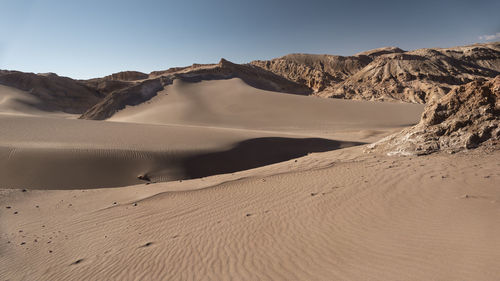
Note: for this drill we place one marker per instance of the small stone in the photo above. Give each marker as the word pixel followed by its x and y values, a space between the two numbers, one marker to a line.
pixel 144 177
pixel 77 261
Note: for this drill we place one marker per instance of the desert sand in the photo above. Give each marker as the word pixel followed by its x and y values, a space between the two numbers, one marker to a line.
pixel 187 131
pixel 238 183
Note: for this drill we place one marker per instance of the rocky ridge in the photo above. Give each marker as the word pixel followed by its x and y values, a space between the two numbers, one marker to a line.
pixel 56 92
pixel 144 90
pixel 467 117
pixel 384 74
pixel 390 74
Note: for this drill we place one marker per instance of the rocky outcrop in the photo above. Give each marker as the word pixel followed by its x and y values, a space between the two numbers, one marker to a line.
pixel 317 72
pixel 56 93
pixel 418 76
pixel 467 117
pixel 127 76
pixel 106 87
pixel 250 74
pixel 115 81
pixel 119 99
pixel 389 74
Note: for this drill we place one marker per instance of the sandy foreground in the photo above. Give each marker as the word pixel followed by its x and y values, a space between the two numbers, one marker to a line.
pixel 309 205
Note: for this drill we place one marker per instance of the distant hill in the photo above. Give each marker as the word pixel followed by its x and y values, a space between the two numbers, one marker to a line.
pixel 51 92
pixel 390 73
pixel 384 74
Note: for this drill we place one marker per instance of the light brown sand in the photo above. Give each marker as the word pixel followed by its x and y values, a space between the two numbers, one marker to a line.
pixel 205 128
pixel 231 103
pixel 338 215
pixel 328 216
pixel 56 153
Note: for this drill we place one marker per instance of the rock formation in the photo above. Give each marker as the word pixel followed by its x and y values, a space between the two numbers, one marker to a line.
pixel 390 73
pixel 317 72
pixel 117 100
pixel 127 76
pixel 467 117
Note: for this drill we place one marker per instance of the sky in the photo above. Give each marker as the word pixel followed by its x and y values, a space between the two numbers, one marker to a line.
pixel 86 39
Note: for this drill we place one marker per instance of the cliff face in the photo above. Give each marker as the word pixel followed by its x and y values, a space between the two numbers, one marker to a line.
pixel 317 72
pixel 127 76
pixel 389 73
pixel 467 117
pixel 118 99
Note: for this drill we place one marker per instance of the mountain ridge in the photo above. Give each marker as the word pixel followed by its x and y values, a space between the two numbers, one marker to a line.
pixel 382 74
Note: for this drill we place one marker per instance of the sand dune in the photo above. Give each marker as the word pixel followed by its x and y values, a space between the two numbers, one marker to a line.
pixel 34 151
pixel 328 216
pixel 195 130
pixel 240 183
pixel 232 103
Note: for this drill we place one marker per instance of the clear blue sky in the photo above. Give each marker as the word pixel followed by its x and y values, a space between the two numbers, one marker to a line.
pixel 87 38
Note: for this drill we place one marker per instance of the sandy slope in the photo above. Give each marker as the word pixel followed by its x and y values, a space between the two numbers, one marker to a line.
pixel 61 153
pixel 201 134
pixel 337 215
pixel 232 103
pixel 328 216
pixel 17 102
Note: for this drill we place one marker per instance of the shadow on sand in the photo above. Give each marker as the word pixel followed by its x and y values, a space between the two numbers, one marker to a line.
pixel 257 152
pixel 34 168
